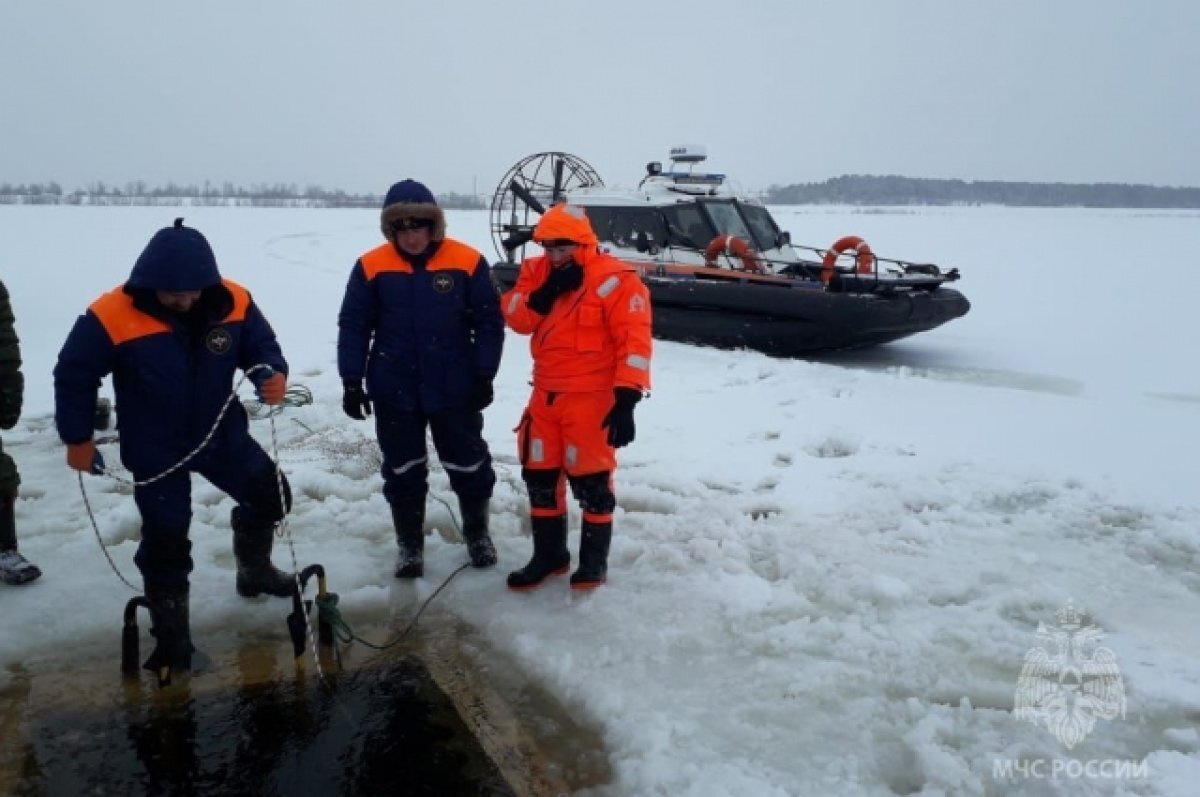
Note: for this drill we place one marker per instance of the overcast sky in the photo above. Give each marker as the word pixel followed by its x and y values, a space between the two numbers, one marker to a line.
pixel 355 94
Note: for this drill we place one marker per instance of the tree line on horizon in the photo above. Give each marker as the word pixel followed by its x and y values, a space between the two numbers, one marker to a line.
pixel 208 194
pixel 844 190
pixel 895 190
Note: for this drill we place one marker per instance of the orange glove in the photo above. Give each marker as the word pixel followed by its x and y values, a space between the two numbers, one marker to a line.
pixel 272 389
pixel 84 457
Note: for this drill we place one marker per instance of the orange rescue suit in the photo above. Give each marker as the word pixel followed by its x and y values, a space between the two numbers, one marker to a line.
pixel 596 337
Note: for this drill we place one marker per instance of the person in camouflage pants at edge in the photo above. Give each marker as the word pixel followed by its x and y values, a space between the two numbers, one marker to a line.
pixel 14 568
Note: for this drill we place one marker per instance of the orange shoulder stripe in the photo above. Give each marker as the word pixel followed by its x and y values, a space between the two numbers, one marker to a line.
pixel 454 255
pixel 450 255
pixel 122 321
pixel 241 301
pixel 383 258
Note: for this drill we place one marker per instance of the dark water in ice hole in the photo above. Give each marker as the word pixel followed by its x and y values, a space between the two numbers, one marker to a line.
pixel 253 724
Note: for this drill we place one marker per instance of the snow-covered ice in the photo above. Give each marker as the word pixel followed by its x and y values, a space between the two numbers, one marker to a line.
pixel 826 574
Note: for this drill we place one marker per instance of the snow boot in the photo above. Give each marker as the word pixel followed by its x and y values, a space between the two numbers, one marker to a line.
pixel 475 531
pixel 550 554
pixel 14 568
pixel 170 627
pixel 593 555
pixel 409 519
pixel 255 573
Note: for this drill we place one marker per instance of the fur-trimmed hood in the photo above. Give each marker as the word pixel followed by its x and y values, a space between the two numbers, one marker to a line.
pixel 409 199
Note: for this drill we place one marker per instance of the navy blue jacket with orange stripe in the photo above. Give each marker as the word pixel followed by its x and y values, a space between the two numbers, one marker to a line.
pixel 171 373
pixel 420 330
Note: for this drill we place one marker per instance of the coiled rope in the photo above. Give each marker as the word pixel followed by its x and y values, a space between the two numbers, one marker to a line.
pixel 293 396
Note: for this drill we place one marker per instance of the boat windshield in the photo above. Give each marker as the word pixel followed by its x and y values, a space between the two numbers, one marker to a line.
pixel 688 226
pixel 766 233
pixel 727 220
pixel 623 226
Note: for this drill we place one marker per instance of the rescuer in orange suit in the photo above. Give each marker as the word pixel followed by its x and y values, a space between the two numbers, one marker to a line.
pixel 588 318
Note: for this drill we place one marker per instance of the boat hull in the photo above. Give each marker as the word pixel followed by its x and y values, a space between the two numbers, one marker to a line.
pixel 787 319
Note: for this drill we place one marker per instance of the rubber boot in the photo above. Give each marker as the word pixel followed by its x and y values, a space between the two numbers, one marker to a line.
pixel 14 568
pixel 255 573
pixel 475 531
pixel 409 519
pixel 550 554
pixel 593 555
pixel 170 627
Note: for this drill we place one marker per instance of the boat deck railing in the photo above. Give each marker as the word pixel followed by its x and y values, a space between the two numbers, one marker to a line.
pixel 886 275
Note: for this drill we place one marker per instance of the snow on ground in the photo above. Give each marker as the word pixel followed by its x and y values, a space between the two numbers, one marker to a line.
pixel 826 574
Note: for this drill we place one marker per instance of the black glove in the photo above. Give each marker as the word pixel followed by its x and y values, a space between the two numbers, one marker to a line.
pixel 481 394
pixel 562 279
pixel 355 402
pixel 12 391
pixel 619 421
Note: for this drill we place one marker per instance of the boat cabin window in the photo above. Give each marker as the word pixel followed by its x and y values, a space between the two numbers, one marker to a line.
pixel 727 219
pixel 766 232
pixel 621 226
pixel 687 226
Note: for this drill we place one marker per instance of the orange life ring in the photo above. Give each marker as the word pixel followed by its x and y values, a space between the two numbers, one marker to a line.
pixel 864 258
pixel 733 246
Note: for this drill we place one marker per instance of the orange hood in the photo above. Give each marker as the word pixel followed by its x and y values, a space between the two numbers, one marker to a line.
pixel 565 222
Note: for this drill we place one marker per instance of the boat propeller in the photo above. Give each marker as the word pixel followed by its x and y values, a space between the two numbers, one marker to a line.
pixel 524 193
pixel 526 197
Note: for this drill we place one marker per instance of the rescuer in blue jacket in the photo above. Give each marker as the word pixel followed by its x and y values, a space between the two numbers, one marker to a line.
pixel 173 337
pixel 421 324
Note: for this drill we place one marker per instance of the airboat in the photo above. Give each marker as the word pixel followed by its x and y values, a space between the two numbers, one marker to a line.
pixel 720 270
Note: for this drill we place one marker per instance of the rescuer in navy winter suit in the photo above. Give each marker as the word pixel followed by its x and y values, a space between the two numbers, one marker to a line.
pixel 173 337
pixel 421 323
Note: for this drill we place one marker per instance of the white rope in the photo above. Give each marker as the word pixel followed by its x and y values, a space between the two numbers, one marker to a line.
pixel 282 530
pixel 106 472
pixel 207 438
pixel 99 540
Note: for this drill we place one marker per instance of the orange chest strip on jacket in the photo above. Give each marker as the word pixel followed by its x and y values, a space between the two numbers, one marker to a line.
pixel 123 322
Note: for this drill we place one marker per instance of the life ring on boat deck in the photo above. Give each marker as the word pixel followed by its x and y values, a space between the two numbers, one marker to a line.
pixel 733 246
pixel 864 258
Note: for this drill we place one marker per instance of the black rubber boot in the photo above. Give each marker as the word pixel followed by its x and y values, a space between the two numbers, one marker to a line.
pixel 475 531
pixel 550 554
pixel 409 519
pixel 593 556
pixel 255 573
pixel 170 628
pixel 14 568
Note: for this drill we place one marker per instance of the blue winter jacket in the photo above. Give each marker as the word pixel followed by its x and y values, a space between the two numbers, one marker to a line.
pixel 171 373
pixel 420 329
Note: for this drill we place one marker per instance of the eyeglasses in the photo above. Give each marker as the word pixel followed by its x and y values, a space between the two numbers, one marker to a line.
pixel 412 223
pixel 559 245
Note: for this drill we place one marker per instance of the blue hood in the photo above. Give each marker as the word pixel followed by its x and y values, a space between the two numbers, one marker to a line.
pixel 177 258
